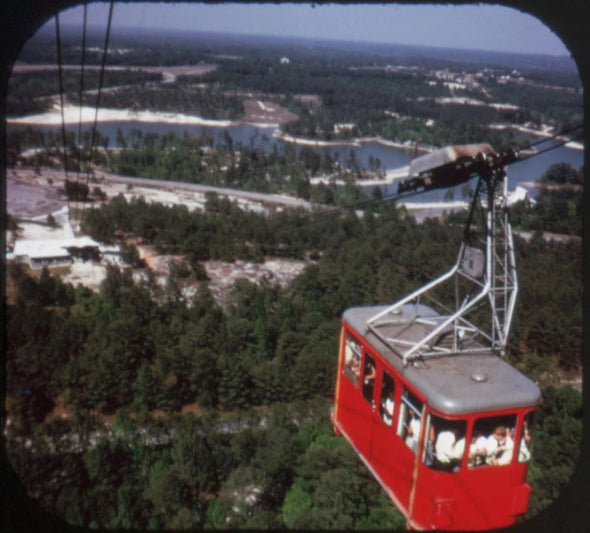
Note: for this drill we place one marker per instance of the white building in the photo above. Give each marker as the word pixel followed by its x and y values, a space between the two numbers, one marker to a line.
pixel 55 252
pixel 111 254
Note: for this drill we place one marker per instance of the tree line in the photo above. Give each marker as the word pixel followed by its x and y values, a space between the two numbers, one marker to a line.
pixel 35 92
pixel 559 206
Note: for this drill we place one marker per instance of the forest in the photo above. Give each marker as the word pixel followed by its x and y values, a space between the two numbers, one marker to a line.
pixel 31 93
pixel 558 209
pixel 182 413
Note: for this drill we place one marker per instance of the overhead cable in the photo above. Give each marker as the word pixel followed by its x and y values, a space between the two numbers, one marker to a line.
pixel 61 95
pixel 100 82
pixel 82 63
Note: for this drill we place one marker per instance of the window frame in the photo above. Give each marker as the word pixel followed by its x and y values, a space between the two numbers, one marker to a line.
pixel 433 430
pixel 368 389
pixel 383 395
pixel 352 349
pixel 511 422
pixel 406 405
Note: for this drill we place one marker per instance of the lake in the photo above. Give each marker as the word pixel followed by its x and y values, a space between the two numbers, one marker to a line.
pixel 390 157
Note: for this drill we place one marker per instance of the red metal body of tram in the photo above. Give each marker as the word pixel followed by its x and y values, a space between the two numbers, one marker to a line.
pixel 414 383
pixel 472 497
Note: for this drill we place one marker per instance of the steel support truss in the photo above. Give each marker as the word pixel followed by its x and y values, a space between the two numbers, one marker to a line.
pixel 482 286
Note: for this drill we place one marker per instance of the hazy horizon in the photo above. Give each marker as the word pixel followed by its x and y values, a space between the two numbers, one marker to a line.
pixel 484 27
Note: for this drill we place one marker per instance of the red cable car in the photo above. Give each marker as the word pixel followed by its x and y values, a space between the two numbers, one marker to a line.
pixel 423 393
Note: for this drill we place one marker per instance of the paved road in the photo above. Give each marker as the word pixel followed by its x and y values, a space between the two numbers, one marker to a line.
pixel 194 187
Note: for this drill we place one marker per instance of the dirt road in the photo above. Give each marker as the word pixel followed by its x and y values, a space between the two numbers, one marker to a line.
pixel 32 194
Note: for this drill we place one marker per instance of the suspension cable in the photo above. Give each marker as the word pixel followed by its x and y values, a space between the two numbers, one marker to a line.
pixel 82 64
pixel 559 145
pixel 100 82
pixel 556 135
pixel 61 98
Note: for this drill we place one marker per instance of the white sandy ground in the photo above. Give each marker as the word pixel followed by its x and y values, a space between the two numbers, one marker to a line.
pixel 388 178
pixel 222 274
pixel 74 114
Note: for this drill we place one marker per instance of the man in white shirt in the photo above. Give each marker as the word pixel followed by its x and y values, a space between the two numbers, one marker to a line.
pixel 449 450
pixel 388 409
pixel 413 432
pixel 477 449
pixel 499 447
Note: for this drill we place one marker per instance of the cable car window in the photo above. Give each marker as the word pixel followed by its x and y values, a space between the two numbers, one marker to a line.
pixel 386 401
pixel 369 373
pixel 408 427
pixel 445 446
pixel 352 359
pixel 524 449
pixel 492 441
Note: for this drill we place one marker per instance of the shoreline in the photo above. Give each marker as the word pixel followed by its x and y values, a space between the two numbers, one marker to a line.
pixel 389 178
pixel 74 115
pixel 573 145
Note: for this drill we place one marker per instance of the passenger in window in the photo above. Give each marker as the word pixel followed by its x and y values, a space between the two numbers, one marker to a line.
pixel 354 367
pixel 524 452
pixel 388 405
pixel 477 449
pixel 370 372
pixel 369 379
pixel 449 449
pixel 499 447
pixel 413 433
pixel 429 448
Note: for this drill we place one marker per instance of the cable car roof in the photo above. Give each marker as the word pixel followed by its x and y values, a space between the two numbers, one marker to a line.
pixel 456 384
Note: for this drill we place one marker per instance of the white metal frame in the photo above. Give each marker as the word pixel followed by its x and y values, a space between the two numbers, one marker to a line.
pixel 499 284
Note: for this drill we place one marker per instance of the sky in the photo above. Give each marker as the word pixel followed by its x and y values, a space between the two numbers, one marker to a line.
pixel 473 27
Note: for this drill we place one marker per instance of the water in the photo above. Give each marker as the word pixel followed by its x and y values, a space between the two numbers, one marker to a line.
pixel 389 157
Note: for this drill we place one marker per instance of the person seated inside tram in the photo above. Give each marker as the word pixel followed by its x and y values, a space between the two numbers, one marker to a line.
pixel 477 449
pixel 524 452
pixel 369 380
pixel 370 372
pixel 429 457
pixel 413 433
pixel 387 409
pixel 499 447
pixel 354 368
pixel 449 449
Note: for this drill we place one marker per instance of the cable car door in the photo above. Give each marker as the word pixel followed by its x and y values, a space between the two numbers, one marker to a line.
pixel 396 431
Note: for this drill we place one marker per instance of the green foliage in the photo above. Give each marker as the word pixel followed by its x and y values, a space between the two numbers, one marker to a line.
pixel 130 255
pixel 556 445
pixel 557 210
pixel 563 174
pixel 297 505
pixel 131 348
pixel 549 313
pixel 75 191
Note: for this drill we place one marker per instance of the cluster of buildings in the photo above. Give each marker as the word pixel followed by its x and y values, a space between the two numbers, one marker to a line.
pixel 62 252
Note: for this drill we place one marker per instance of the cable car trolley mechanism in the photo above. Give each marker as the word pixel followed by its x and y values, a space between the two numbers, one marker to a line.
pixel 423 392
